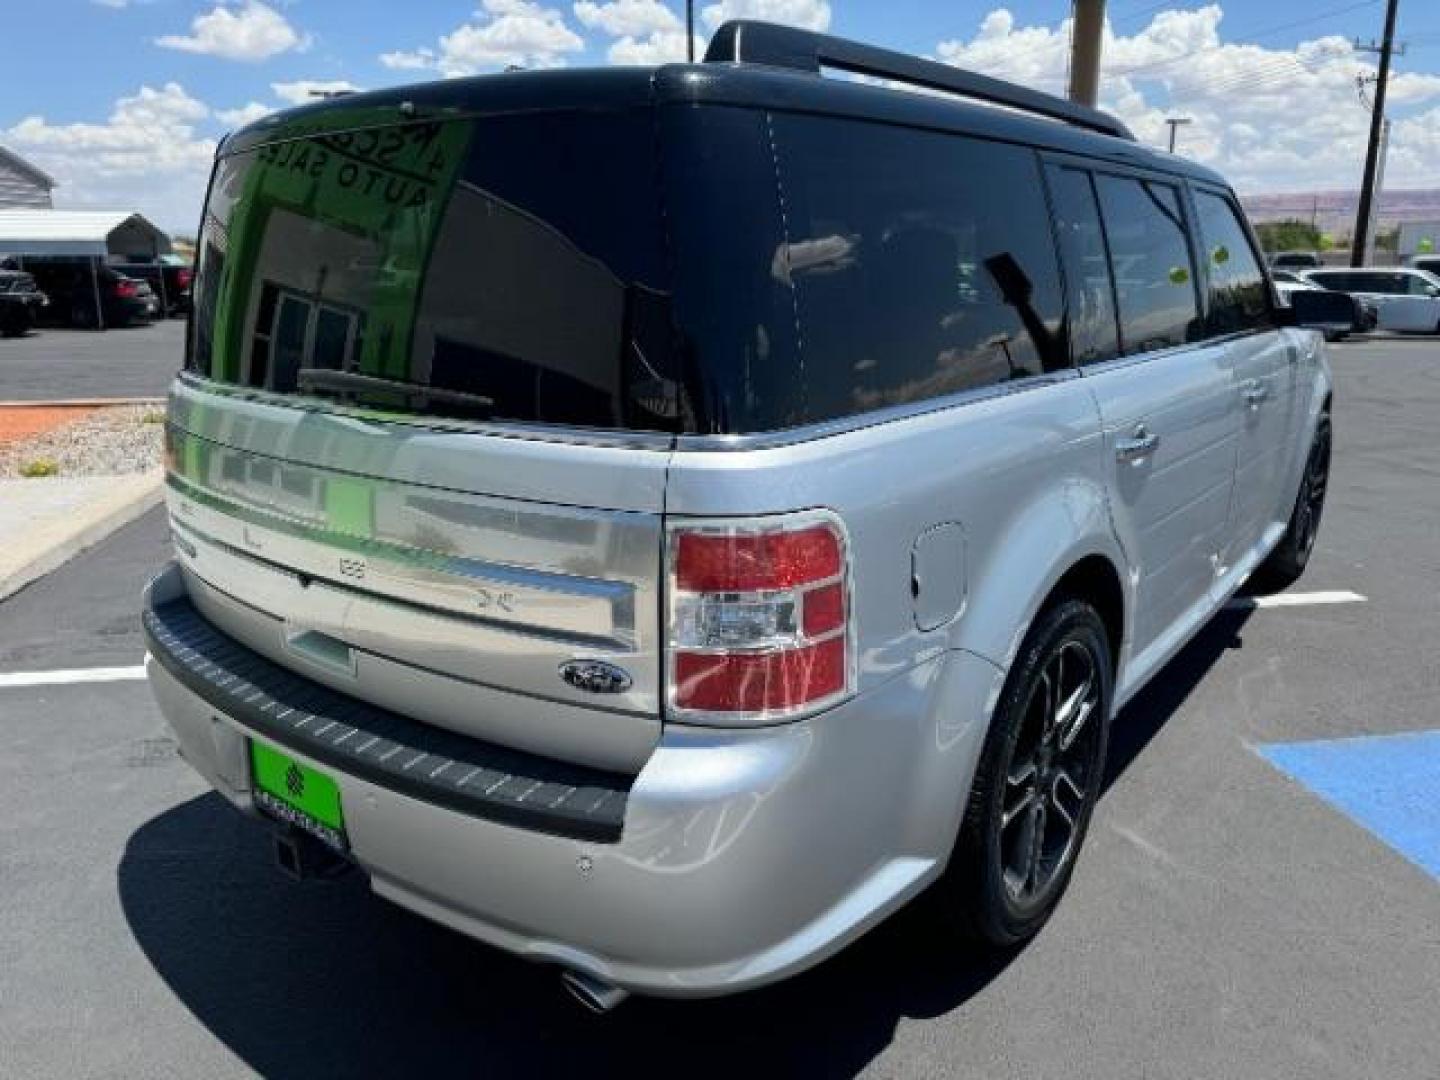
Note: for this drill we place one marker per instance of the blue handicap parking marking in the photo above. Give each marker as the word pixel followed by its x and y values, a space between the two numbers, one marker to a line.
pixel 1390 784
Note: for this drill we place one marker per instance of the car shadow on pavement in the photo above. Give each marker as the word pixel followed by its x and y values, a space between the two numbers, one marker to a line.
pixel 324 979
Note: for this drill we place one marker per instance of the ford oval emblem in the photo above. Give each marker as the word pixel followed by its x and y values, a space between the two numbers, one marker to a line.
pixel 595 676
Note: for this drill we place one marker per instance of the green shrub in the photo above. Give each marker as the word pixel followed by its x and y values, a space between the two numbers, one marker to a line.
pixel 39 467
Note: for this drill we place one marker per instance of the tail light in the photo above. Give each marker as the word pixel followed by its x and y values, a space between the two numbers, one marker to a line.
pixel 182 279
pixel 760 622
pixel 126 290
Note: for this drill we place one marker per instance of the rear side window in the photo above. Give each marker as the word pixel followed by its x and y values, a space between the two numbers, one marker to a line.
pixel 1384 284
pixel 1238 296
pixel 922 264
pixel 855 266
pixel 1093 332
pixel 1150 256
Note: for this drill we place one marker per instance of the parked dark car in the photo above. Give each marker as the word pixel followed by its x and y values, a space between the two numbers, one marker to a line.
pixel 73 290
pixel 168 278
pixel 20 303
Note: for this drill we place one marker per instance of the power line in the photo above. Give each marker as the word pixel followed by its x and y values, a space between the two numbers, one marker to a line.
pixel 1280 29
pixel 1272 72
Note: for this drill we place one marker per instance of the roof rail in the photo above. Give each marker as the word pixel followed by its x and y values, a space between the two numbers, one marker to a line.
pixel 751 42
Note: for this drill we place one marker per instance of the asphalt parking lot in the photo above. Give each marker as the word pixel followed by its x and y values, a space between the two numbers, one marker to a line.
pixel 1226 920
pixel 128 362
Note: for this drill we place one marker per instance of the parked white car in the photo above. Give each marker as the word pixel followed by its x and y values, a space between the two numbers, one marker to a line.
pixel 1405 298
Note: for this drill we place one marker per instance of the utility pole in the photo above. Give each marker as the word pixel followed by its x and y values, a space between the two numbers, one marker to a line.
pixel 1087 28
pixel 690 30
pixel 1372 150
pixel 1374 228
pixel 1175 122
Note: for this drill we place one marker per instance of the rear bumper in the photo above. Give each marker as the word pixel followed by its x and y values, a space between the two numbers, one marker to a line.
pixel 743 856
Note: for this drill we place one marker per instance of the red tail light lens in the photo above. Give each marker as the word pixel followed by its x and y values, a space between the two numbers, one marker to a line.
pixel 760 621
pixel 126 289
pixel 182 279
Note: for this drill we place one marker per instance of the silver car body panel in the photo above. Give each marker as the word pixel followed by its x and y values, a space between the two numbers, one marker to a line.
pixel 1009 489
pixel 464 585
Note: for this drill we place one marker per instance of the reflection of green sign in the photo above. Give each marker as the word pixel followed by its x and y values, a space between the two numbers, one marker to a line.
pixel 380 189
pixel 1179 275
pixel 1221 255
pixel 1425 245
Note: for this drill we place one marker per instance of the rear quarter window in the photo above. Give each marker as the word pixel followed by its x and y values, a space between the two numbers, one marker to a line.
pixel 829 267
pixel 922 263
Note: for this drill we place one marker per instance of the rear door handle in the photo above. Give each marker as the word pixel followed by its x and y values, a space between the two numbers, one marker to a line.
pixel 1137 445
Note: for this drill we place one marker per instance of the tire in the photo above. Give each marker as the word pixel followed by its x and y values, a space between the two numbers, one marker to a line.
pixel 1283 567
pixel 1000 886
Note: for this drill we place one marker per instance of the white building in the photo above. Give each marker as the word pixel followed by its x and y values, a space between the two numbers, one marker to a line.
pixel 22 185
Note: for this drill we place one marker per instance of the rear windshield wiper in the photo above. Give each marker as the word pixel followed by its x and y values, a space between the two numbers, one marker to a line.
pixel 341 381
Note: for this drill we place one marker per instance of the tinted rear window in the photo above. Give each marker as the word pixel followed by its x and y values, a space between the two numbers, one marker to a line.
pixel 864 266
pixel 508 268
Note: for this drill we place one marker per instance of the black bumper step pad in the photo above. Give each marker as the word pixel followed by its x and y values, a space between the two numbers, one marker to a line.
pixel 392 751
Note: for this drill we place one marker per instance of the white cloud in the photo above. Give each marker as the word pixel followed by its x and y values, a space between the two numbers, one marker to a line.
pixel 243 114
pixel 1268 119
pixel 660 47
pixel 811 14
pixel 628 18
pixel 646 32
pixel 146 156
pixel 308 91
pixel 504 32
pixel 252 31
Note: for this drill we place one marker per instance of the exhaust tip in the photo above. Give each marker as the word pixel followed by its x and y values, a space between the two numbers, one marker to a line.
pixel 597 995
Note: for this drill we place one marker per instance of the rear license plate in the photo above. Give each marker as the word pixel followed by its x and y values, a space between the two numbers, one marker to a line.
pixel 293 792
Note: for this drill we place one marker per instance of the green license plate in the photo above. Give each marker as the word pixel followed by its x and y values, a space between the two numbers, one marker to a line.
pixel 293 792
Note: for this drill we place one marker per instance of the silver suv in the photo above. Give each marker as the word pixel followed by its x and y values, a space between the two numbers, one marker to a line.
pixel 661 521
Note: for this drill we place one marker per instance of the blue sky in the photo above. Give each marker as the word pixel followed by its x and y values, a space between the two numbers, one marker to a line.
pixel 122 99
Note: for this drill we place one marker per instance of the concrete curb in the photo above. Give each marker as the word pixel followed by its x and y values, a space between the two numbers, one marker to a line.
pixel 51 539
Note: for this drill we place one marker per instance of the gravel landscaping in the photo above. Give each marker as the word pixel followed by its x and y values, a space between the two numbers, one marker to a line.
pixel 106 442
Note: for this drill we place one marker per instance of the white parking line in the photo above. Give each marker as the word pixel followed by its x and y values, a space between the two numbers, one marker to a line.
pixel 64 678
pixel 1299 599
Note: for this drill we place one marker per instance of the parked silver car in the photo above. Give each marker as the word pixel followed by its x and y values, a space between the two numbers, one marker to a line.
pixel 1404 297
pixel 659 522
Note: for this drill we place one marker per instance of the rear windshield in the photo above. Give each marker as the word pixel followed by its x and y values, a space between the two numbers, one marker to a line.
pixel 507 268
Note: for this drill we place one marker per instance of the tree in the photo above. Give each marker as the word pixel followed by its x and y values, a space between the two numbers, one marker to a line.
pixel 1291 234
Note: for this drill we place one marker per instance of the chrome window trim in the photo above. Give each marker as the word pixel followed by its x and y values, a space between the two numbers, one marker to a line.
pixel 634 440
pixel 825 429
pixel 652 441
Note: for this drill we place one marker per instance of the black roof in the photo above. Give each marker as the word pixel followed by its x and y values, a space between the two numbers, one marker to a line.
pixel 742 84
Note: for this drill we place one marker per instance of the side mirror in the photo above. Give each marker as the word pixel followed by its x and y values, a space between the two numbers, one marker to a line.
pixel 1322 309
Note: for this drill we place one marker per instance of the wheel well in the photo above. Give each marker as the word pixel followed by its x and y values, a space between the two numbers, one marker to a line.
pixel 1095 580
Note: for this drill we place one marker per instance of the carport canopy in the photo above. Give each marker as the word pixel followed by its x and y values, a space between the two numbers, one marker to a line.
pixel 80 232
